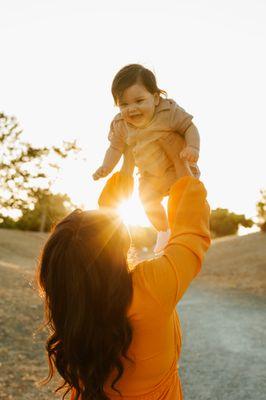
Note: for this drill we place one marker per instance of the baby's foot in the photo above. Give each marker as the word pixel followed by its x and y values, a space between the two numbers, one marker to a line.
pixel 162 240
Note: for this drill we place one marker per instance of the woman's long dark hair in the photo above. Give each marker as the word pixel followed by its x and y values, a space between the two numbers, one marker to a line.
pixel 87 286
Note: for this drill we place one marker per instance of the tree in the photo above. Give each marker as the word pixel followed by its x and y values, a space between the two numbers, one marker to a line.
pixel 19 164
pixel 49 209
pixel 24 168
pixel 223 222
pixel 261 211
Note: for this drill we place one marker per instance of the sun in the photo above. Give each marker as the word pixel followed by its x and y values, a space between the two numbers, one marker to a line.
pixel 84 192
pixel 132 212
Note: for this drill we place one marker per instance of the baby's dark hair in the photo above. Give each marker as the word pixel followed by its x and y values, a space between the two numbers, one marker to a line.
pixel 131 74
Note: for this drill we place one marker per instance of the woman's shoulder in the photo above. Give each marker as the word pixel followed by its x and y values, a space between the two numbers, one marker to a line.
pixel 142 270
pixel 137 270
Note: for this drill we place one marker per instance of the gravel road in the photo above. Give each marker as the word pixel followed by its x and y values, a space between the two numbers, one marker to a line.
pixel 224 344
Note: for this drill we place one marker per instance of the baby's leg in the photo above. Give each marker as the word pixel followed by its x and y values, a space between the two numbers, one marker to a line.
pixel 151 200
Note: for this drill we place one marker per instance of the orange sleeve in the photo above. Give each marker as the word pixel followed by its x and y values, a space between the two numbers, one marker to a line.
pixel 168 277
pixel 118 188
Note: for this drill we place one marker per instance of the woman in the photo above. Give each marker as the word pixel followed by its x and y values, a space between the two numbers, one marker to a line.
pixel 115 332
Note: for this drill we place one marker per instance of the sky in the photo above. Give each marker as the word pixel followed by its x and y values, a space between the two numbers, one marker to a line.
pixel 59 58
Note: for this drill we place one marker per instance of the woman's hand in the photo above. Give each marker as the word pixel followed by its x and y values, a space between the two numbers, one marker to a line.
pixel 182 168
pixel 172 146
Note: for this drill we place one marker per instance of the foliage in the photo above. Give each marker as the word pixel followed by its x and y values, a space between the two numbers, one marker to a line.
pixel 223 222
pixel 261 211
pixel 49 208
pixel 19 164
pixel 24 168
pixel 7 222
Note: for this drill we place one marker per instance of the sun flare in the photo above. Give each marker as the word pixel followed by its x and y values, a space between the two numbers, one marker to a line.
pixel 132 213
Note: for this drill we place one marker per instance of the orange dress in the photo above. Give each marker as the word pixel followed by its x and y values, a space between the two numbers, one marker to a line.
pixel 158 286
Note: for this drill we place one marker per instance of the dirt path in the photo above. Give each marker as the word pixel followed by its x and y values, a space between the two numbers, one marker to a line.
pixel 224 344
pixel 22 360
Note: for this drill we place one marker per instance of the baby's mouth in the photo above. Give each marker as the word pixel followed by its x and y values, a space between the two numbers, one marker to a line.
pixel 136 119
pixel 136 116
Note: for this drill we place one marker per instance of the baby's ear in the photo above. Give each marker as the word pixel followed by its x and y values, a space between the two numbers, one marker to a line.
pixel 156 98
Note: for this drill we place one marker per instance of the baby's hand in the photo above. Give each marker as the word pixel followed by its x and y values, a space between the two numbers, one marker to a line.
pixel 100 173
pixel 190 154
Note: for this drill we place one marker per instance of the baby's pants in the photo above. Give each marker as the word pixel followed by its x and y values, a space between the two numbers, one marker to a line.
pixel 152 190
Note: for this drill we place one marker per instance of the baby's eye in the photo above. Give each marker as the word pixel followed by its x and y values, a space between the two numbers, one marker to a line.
pixel 139 101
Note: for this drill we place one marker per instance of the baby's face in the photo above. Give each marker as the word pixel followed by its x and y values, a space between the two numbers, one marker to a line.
pixel 137 105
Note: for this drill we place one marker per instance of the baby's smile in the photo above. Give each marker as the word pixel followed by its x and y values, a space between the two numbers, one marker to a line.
pixel 137 105
pixel 135 116
pixel 138 120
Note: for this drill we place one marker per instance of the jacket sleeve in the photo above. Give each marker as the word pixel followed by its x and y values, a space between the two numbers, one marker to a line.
pixel 116 135
pixel 168 277
pixel 180 120
pixel 118 188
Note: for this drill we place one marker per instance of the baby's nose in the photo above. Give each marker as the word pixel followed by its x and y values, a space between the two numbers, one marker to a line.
pixel 132 109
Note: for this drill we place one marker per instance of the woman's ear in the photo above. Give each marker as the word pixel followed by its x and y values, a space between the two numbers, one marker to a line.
pixel 156 98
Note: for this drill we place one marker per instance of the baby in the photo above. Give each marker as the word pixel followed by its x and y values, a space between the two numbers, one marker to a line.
pixel 151 132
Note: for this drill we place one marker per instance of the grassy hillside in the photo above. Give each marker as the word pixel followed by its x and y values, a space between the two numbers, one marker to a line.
pixel 231 261
pixel 237 261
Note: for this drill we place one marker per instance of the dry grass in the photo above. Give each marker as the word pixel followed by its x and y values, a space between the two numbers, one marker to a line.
pixel 235 262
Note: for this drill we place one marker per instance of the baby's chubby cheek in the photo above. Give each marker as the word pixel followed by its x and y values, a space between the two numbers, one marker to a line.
pixel 142 118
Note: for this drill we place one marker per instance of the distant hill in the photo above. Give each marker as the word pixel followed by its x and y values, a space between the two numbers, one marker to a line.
pixel 237 262
pixel 232 261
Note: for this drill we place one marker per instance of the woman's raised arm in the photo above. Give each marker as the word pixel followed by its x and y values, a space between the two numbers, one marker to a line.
pixel 169 276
